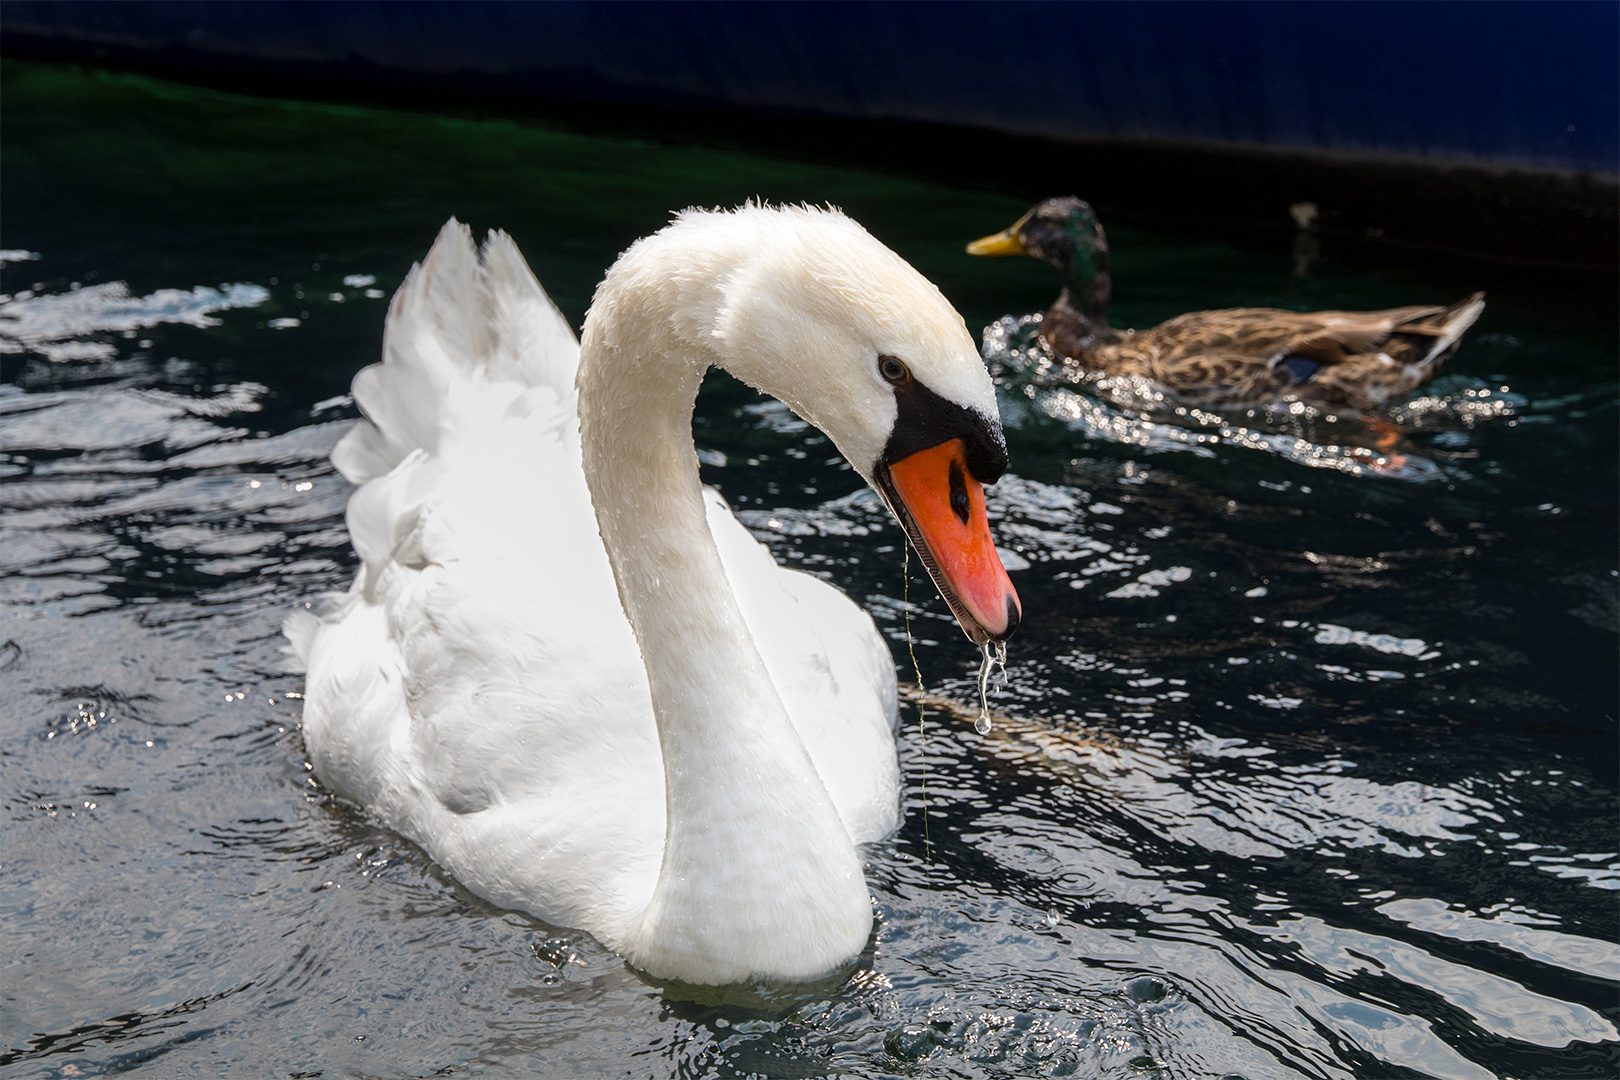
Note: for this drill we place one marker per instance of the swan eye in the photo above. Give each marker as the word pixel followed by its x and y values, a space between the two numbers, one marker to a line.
pixel 892 370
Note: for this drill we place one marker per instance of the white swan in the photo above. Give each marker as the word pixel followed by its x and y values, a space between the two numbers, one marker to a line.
pixel 687 784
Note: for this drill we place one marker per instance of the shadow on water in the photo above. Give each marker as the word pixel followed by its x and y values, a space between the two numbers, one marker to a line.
pixel 1304 765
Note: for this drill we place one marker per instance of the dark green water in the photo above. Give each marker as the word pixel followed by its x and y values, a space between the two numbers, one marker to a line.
pixel 1307 765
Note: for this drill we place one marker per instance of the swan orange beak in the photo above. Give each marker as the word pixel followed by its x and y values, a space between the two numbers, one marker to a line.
pixel 941 506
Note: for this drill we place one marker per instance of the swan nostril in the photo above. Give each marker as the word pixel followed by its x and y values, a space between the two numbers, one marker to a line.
pixel 959 494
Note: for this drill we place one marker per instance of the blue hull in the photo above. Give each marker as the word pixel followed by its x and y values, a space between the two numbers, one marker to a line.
pixel 1500 84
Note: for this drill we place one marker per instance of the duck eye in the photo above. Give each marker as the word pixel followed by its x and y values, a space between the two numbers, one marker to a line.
pixel 892 370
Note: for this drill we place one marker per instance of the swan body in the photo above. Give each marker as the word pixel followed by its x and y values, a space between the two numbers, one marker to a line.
pixel 1362 361
pixel 565 668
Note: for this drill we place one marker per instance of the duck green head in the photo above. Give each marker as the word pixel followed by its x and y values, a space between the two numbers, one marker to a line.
pixel 1066 233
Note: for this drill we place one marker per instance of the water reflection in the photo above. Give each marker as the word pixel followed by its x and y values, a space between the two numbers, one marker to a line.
pixel 1271 791
pixel 77 324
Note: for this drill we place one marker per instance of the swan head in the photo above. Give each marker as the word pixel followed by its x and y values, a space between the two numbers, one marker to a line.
pixel 805 305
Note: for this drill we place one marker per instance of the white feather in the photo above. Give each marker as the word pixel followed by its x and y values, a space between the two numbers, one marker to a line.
pixel 479 688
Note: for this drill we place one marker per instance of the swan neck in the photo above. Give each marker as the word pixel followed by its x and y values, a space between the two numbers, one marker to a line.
pixel 641 466
pixel 755 854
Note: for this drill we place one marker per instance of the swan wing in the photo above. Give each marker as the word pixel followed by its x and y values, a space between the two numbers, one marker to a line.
pixel 458 325
pixel 832 667
pixel 478 688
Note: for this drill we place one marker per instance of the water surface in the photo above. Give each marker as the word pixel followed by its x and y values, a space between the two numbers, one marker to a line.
pixel 1305 766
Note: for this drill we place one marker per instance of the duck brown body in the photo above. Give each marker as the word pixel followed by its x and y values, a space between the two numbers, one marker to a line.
pixel 1239 357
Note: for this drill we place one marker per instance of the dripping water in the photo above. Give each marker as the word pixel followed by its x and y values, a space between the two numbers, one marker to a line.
pixel 995 655
pixel 922 693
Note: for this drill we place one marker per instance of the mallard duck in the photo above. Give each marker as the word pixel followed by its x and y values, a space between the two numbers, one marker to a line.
pixel 1358 361
pixel 565 668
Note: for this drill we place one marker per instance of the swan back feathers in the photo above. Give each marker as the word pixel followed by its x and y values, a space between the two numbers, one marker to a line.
pixel 461 323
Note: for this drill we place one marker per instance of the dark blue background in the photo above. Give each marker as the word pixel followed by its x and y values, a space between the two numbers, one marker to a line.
pixel 1505 83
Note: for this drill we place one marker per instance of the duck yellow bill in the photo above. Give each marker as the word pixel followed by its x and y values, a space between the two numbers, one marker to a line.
pixel 941 506
pixel 1005 242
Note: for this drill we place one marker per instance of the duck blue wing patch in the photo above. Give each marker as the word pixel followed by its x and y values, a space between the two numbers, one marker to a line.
pixel 1299 368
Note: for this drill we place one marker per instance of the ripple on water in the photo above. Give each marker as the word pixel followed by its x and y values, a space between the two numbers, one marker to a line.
pixel 1276 788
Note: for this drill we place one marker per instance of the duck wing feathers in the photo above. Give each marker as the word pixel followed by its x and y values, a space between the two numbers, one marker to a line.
pixel 1337 359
